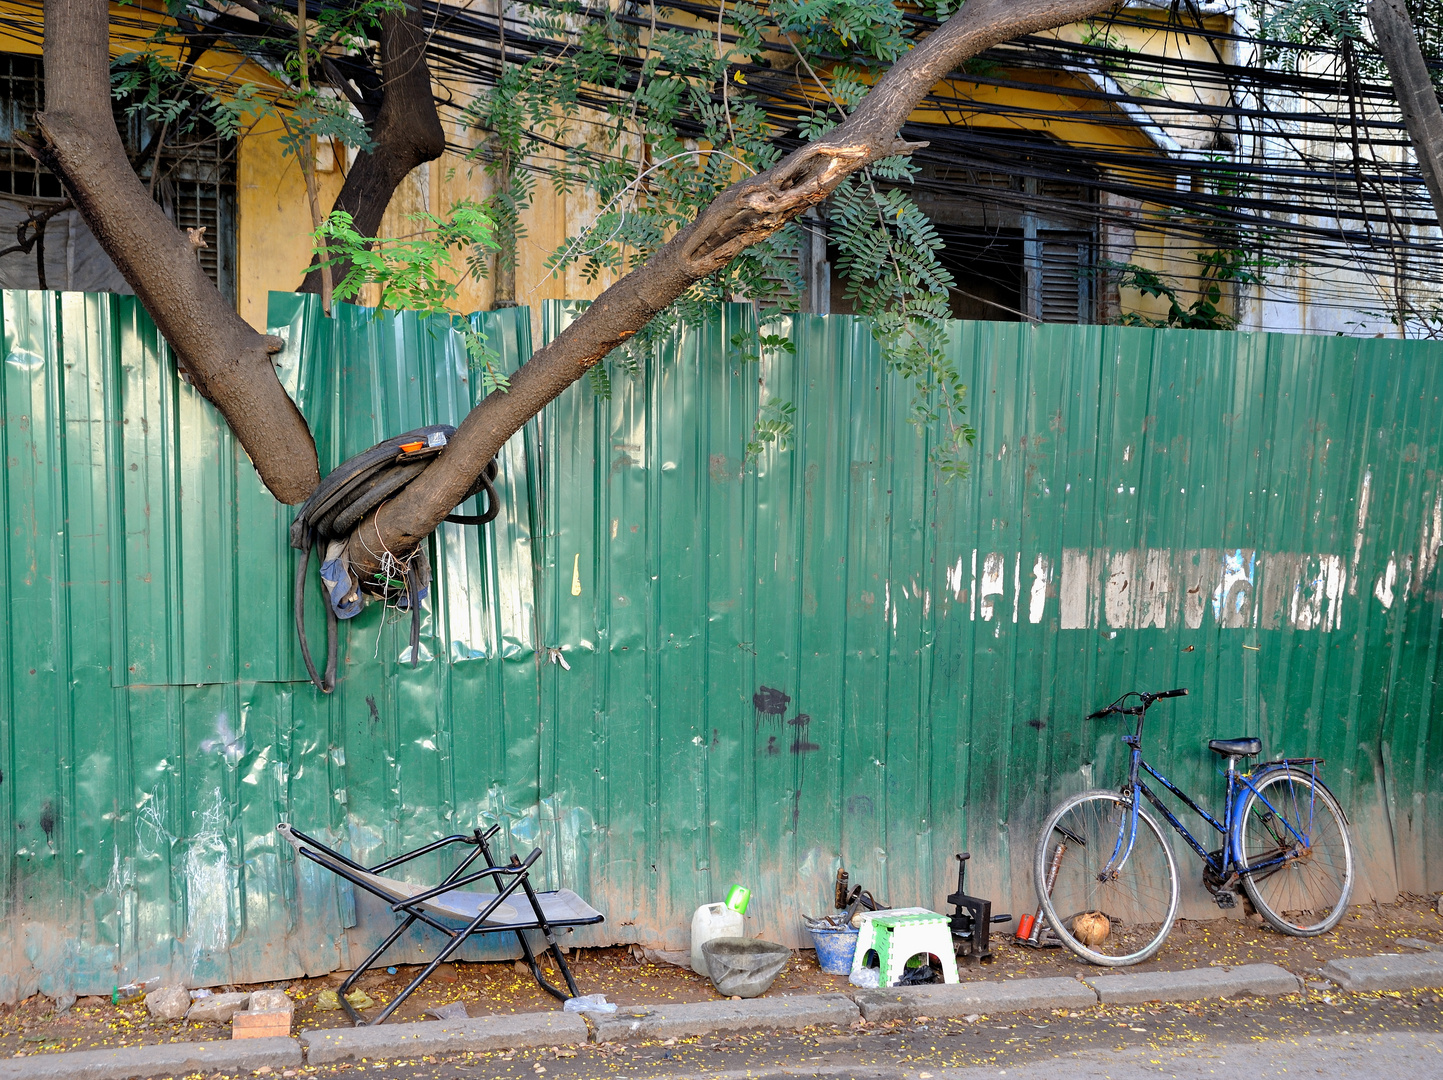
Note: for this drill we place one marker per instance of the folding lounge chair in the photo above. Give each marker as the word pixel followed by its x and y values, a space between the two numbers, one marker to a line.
pixel 455 912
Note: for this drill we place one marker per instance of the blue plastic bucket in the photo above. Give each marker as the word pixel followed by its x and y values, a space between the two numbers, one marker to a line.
pixel 835 950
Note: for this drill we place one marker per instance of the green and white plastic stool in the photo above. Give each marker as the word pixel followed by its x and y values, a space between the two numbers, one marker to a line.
pixel 897 936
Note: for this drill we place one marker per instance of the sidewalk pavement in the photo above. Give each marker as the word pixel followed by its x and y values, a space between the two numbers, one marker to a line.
pixel 525 1030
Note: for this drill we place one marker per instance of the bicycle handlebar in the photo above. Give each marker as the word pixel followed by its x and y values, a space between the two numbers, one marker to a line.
pixel 1147 699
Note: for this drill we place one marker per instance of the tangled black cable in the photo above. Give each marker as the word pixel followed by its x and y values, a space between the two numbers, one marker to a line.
pixel 347 494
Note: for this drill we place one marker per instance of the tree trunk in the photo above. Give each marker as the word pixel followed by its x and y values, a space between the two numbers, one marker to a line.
pixel 743 214
pixel 1414 90
pixel 228 361
pixel 407 132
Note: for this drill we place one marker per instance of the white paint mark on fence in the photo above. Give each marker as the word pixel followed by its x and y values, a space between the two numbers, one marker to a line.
pixel 1199 570
pixel 1233 597
pixel 1320 582
pixel 1117 597
pixel 1075 596
pixel 1364 497
pixel 1041 577
pixel 1383 588
pixel 972 596
pixel 1429 542
pixel 1016 584
pixel 1153 600
pixel 993 569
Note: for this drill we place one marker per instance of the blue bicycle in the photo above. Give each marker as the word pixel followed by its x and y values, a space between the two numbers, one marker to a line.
pixel 1105 872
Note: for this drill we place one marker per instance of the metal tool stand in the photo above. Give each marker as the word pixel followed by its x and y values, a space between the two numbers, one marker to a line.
pixel 972 917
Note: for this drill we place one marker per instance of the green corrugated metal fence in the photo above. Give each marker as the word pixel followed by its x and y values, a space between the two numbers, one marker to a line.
pixel 671 667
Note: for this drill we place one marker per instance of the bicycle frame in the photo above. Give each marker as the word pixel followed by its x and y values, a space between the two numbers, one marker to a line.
pixel 1230 826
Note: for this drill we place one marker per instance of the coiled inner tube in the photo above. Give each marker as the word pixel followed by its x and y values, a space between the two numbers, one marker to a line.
pixel 347 494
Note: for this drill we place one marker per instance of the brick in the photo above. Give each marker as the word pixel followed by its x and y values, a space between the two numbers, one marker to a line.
pixel 261 1025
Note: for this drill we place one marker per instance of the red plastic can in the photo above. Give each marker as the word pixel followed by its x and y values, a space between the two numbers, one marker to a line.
pixel 1024 926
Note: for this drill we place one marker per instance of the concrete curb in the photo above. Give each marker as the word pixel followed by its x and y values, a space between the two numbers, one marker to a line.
pixel 167 1059
pixel 531 1030
pixel 1264 980
pixel 707 1017
pixel 965 999
pixel 1387 971
pixel 519 1031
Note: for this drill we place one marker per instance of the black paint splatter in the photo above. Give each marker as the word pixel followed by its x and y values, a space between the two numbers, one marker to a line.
pixel 770 701
pixel 801 745
pixel 47 821
pixel 375 712
pixel 1037 725
pixel 772 750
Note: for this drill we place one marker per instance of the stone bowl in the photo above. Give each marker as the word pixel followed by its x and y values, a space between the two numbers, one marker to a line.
pixel 744 967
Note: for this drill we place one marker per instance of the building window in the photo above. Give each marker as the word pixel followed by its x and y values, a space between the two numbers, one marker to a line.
pixel 1019 246
pixel 194 182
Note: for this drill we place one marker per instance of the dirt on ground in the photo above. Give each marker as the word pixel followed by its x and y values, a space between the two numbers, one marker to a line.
pixel 626 977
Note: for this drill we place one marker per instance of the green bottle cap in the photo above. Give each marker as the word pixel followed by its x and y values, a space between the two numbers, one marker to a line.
pixel 738 897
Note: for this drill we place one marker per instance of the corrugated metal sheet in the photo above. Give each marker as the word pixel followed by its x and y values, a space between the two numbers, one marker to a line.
pixel 834 657
pixel 825 656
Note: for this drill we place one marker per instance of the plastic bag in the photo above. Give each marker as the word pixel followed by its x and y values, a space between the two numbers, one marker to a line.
pixel 867 978
pixel 592 1003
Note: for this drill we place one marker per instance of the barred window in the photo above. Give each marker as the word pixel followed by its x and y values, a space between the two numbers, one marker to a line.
pixel 192 178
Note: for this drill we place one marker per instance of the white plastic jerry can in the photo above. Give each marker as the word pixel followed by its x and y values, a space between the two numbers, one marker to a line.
pixel 711 921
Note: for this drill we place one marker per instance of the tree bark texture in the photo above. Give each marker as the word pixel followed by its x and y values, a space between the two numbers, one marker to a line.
pixel 745 213
pixel 227 360
pixel 1414 90
pixel 406 132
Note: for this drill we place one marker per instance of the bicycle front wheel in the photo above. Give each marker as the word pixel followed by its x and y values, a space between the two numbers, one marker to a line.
pixel 1108 904
pixel 1296 858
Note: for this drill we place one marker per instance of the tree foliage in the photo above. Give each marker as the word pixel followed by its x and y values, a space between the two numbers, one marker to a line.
pixel 655 123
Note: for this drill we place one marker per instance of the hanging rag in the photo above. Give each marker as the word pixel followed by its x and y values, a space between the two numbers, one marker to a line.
pixel 340 502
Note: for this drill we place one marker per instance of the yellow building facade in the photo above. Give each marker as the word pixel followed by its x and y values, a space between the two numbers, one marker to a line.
pixel 272 222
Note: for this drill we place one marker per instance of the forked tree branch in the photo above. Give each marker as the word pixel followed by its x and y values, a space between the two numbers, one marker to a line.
pixel 227 360
pixel 407 131
pixel 745 213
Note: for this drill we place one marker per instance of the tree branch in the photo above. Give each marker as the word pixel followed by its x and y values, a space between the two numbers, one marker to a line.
pixel 743 214
pixel 407 131
pixel 228 361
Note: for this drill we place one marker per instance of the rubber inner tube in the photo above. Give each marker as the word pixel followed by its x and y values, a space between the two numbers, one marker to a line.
pixel 344 497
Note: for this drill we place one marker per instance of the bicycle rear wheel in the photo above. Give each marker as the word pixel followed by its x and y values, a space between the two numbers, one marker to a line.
pixel 1138 898
pixel 1295 857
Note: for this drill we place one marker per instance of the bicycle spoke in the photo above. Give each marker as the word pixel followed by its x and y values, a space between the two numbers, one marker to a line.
pixel 1306 892
pixel 1115 895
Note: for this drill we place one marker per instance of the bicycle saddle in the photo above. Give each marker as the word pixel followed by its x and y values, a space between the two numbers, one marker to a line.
pixel 1236 747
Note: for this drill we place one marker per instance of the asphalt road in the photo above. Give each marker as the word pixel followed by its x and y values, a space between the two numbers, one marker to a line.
pixel 1344 1036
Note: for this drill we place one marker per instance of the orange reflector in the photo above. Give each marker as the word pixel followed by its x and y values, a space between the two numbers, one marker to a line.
pixel 412 447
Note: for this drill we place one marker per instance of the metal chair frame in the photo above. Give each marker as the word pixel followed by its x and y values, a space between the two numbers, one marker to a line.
pixel 518 874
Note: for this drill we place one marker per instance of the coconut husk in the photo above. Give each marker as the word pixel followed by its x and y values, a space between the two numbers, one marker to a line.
pixel 1091 928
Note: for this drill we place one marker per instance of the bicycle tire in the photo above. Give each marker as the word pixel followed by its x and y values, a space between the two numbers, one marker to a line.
pixel 1319 879
pixel 1103 814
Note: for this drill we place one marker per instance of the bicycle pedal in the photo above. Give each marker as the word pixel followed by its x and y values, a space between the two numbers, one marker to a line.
pixel 1225 898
